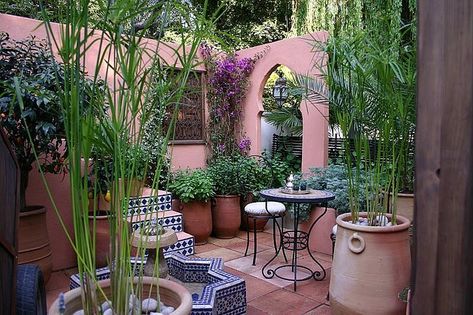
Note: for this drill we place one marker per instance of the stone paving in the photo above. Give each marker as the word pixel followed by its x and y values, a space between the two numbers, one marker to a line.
pixel 264 296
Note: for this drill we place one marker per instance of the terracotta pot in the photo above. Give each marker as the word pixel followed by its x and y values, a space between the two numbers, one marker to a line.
pixel 226 216
pixel 260 222
pixel 371 265
pixel 176 205
pixel 33 240
pixel 171 294
pixel 197 220
pixel 102 237
pixel 405 205
pixel 320 240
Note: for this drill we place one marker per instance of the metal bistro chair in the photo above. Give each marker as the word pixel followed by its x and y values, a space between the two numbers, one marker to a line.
pixel 265 210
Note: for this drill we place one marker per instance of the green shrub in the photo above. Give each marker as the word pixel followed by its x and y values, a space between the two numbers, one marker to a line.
pixel 191 185
pixel 226 177
pixel 334 178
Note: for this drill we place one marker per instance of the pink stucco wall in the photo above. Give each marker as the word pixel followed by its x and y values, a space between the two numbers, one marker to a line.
pixel 299 55
pixel 295 53
pixel 185 155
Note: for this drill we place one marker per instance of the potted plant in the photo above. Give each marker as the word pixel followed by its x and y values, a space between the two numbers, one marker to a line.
pixel 370 98
pixel 29 113
pixel 194 190
pixel 227 181
pixel 136 71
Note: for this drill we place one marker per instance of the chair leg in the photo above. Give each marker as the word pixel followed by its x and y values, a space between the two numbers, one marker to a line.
pixel 276 249
pixel 255 245
pixel 247 235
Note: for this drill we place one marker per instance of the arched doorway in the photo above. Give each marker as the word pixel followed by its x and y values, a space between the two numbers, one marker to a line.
pixel 299 55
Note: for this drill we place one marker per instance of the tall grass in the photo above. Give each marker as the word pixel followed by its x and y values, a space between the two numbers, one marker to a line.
pixel 136 76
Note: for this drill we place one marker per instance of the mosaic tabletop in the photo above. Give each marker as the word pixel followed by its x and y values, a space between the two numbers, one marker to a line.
pixel 309 196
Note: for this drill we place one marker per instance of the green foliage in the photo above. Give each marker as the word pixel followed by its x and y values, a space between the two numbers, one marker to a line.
pixel 255 174
pixel 191 185
pixel 372 96
pixel 226 176
pixel 245 23
pixel 30 108
pixel 334 178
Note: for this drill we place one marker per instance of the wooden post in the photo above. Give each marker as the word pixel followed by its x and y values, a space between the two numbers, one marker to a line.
pixel 443 267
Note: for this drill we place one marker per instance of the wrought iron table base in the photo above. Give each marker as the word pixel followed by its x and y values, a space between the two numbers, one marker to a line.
pixel 296 241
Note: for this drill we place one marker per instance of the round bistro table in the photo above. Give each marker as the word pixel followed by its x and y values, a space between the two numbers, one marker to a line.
pixel 295 240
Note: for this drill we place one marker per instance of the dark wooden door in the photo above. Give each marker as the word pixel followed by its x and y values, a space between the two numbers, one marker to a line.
pixel 443 266
pixel 9 205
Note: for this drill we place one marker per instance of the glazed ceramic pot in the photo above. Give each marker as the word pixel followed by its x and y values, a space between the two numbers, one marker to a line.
pixel 197 217
pixel 226 216
pixel 371 265
pixel 33 240
pixel 171 294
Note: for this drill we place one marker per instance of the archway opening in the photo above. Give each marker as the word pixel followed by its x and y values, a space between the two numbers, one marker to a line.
pixel 281 121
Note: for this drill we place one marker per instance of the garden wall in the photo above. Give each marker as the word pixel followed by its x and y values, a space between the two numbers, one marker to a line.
pixel 184 156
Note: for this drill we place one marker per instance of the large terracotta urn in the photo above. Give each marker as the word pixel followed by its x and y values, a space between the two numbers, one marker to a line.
pixel 101 226
pixel 371 265
pixel 33 240
pixel 405 205
pixel 170 293
pixel 197 220
pixel 226 216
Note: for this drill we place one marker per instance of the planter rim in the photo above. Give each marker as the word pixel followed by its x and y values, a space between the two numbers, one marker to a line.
pixel 185 296
pixel 193 201
pixel 227 196
pixel 31 210
pixel 408 195
pixel 99 214
pixel 403 225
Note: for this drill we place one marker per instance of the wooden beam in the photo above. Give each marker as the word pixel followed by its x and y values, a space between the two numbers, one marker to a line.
pixel 443 273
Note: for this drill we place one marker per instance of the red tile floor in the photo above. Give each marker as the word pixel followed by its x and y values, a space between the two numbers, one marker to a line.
pixel 264 296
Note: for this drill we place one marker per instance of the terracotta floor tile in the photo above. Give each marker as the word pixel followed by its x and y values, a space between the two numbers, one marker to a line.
pixel 308 262
pixel 224 242
pixel 251 310
pixel 316 290
pixel 205 248
pixel 224 253
pixel 283 302
pixel 58 280
pixel 320 310
pixel 241 247
pixel 255 287
pixel 244 264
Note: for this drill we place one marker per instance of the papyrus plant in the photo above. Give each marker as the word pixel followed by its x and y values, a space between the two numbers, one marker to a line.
pixel 137 73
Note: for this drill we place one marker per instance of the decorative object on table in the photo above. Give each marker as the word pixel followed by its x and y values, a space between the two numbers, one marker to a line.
pixel 226 215
pixel 150 237
pixel 289 183
pixel 296 240
pixel 194 190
